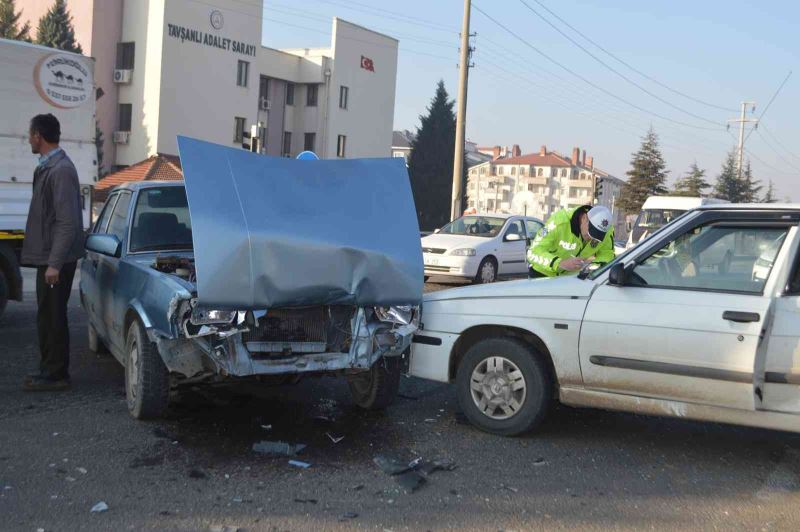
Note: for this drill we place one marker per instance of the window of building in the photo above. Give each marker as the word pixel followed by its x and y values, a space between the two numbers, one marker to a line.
pixel 125 55
pixel 263 88
pixel 289 93
pixel 343 92
pixel 522 170
pixel 573 192
pixel 312 91
pixel 242 72
pixel 287 143
pixel 530 188
pixel 239 124
pixel 539 172
pixel 483 171
pixel 341 146
pixel 124 118
pixel 513 170
pixel 309 140
pixel 563 172
pixel 553 172
pixel 500 170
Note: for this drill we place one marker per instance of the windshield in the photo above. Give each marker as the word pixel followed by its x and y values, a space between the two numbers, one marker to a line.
pixel 483 226
pixel 161 220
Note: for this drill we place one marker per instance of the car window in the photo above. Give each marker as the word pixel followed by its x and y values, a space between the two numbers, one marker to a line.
pixel 102 223
pixel 714 257
pixel 533 227
pixel 161 220
pixel 119 219
pixel 515 227
pixel 483 226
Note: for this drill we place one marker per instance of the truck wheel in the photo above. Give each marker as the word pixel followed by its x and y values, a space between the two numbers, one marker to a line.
pixel 376 389
pixel 503 387
pixel 146 376
pixel 95 343
pixel 3 292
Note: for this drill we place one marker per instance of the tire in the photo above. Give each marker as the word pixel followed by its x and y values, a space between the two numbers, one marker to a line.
pixel 146 376
pixel 507 412
pixel 425 278
pixel 3 292
pixel 96 345
pixel 487 271
pixel 377 388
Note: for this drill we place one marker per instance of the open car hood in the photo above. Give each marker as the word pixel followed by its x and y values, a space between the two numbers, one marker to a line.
pixel 273 232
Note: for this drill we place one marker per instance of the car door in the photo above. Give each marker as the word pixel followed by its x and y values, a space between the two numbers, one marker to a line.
pixel 778 377
pixel 512 248
pixel 684 326
pixel 88 281
pixel 107 269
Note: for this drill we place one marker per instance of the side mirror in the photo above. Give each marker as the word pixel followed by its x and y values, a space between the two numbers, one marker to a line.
pixel 512 237
pixel 104 244
pixel 436 231
pixel 617 275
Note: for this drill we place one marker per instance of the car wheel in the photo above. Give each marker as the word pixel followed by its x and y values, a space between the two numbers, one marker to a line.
pixel 3 292
pixel 487 271
pixel 425 278
pixel 503 387
pixel 377 388
pixel 95 343
pixel 146 376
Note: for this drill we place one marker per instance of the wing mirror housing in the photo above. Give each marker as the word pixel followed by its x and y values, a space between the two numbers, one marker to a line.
pixel 513 237
pixel 436 231
pixel 108 245
pixel 617 275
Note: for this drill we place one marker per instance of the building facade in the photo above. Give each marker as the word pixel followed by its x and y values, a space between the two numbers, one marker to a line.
pixel 539 184
pixel 181 67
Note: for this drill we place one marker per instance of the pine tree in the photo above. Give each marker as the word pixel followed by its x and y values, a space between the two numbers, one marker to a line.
pixel 769 196
pixel 692 184
pixel 9 23
pixel 728 187
pixel 750 186
pixel 431 162
pixel 647 175
pixel 55 29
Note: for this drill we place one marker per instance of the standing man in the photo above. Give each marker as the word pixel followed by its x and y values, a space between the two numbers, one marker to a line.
pixel 571 239
pixel 53 244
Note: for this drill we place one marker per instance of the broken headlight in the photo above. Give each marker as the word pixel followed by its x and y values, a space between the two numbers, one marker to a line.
pixel 400 314
pixel 201 316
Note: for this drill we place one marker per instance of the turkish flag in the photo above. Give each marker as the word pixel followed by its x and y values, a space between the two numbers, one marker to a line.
pixel 367 64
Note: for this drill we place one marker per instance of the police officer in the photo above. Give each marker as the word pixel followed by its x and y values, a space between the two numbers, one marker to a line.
pixel 571 239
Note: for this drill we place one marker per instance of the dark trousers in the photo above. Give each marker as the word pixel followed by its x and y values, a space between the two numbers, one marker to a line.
pixel 533 274
pixel 51 321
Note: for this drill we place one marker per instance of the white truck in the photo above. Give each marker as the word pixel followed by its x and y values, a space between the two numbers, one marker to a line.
pixel 38 80
pixel 658 211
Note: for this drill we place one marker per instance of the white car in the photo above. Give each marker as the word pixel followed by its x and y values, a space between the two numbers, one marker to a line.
pixel 480 247
pixel 662 330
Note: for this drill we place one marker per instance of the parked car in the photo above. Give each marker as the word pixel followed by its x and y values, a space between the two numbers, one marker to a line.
pixel 480 247
pixel 243 279
pixel 660 330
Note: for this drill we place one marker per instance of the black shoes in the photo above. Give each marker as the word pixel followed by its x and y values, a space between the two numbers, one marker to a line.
pixel 37 382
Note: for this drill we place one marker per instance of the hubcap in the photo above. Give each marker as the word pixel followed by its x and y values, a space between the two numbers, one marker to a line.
pixel 498 387
pixel 487 272
pixel 132 367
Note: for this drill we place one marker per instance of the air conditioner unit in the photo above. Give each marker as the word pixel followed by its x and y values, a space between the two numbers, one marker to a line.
pixel 121 137
pixel 122 76
pixel 264 104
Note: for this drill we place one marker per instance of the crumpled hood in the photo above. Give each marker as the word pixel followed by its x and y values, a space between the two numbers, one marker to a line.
pixel 568 286
pixel 274 232
pixel 450 242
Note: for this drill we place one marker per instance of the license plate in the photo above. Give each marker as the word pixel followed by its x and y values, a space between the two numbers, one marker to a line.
pixel 431 261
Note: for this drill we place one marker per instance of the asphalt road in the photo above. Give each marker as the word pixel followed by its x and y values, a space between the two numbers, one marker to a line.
pixel 60 454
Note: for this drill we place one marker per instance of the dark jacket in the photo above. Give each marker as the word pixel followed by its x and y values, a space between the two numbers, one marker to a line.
pixel 54 232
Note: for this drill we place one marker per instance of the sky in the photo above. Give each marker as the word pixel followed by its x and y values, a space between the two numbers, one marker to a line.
pixel 696 62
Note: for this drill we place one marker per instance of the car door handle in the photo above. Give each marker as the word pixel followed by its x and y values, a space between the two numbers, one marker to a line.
pixel 740 317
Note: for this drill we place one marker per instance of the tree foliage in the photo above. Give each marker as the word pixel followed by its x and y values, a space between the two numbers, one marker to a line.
pixel 692 184
pixel 646 177
pixel 9 23
pixel 769 195
pixel 430 164
pixel 55 29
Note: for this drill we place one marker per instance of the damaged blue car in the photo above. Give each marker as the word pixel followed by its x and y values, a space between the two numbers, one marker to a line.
pixel 256 267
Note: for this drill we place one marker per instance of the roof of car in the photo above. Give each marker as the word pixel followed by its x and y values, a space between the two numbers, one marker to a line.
pixel 497 215
pixel 751 207
pixel 138 185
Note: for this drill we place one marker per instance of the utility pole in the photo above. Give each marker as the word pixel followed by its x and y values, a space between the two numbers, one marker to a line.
pixel 463 73
pixel 742 121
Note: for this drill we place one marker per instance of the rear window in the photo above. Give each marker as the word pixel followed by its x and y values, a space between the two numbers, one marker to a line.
pixel 161 221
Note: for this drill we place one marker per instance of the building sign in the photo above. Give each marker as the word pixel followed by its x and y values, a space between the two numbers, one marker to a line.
pixel 217 20
pixel 200 37
pixel 367 64
pixel 63 80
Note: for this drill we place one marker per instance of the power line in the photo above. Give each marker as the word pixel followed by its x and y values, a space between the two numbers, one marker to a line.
pixel 763 138
pixel 588 81
pixel 771 100
pixel 778 142
pixel 614 70
pixel 657 82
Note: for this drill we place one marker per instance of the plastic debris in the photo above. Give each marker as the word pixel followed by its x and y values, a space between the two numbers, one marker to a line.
pixel 70 479
pixel 81 470
pixel 278 448
pixel 304 501
pixel 99 508
pixel 391 465
pixel 298 463
pixel 410 481
pixel 509 488
pixel 348 515
pixel 539 462
pixel 411 475
pixel 358 487
pixel 334 439
pixel 224 528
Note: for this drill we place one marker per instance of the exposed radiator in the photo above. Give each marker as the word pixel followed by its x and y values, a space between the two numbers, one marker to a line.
pixel 300 330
